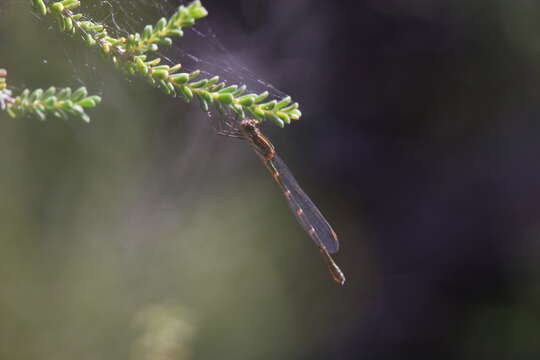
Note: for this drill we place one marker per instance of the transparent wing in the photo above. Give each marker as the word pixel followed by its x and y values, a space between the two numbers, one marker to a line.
pixel 305 211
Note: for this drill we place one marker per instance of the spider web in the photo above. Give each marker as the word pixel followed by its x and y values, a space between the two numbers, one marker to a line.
pixel 199 49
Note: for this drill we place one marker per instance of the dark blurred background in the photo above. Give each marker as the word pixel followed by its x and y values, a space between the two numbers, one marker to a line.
pixel 143 235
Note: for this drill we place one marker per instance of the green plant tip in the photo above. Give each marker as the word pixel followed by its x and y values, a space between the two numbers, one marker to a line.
pixel 181 78
pixel 196 10
pixel 57 7
pixel 41 7
pixel 246 100
pixel 188 94
pixel 226 98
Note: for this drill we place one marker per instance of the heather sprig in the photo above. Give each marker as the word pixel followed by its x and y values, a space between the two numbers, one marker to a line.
pixel 61 103
pixel 132 54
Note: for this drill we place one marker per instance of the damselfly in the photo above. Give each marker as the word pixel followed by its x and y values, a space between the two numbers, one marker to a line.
pixel 302 207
